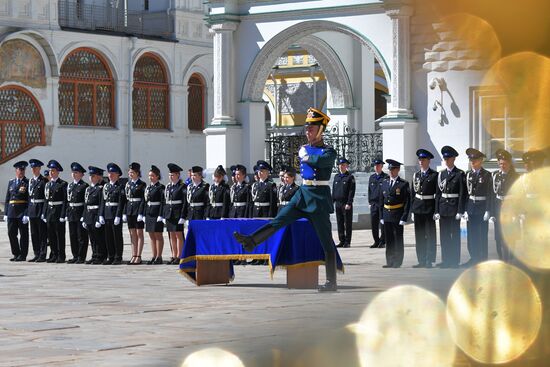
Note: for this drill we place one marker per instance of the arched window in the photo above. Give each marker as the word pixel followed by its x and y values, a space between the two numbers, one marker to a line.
pixel 196 103
pixel 21 122
pixel 86 90
pixel 150 95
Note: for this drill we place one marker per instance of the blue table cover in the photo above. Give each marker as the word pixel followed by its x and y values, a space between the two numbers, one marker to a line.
pixel 294 245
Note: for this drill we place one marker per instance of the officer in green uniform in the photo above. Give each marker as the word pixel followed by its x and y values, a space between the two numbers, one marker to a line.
pixel 312 201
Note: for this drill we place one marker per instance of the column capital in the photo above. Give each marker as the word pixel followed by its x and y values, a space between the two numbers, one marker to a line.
pixel 224 26
pixel 398 8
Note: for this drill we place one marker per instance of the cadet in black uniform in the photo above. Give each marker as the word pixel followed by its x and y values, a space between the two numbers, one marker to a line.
pixel 134 190
pixel 93 198
pixel 240 195
pixel 394 202
pixel 110 215
pixel 153 206
pixel 503 179
pixel 479 183
pixel 219 196
pixel 343 192
pixel 17 201
pixel 287 191
pixel 450 203
pixel 263 193
pixel 375 180
pixel 39 231
pixel 78 235
pixel 197 196
pixel 175 195
pixel 54 212
pixel 423 209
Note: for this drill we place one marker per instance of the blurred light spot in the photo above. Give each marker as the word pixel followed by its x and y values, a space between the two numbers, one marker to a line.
pixel 505 311
pixel 212 357
pixel 404 326
pixel 525 218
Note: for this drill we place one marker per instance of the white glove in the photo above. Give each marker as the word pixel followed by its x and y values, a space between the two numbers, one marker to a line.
pixel 465 216
pixel 302 152
pixel 25 219
pixel 437 216
pixel 401 223
pixel 164 221
pixel 381 221
pixel 486 216
pixel 5 218
pixel 412 217
pixel 186 222
pixel 160 219
pixel 116 221
pixel 458 216
pixel 492 219
pixel 101 220
pixel 141 218
pixel 43 218
pixel 82 219
pixel 84 225
pixel 97 224
pixel 66 219
pixel 62 220
pixel 124 218
pixel 181 221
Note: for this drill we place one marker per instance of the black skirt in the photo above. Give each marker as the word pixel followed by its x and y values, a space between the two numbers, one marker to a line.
pixel 132 222
pixel 173 226
pixel 151 224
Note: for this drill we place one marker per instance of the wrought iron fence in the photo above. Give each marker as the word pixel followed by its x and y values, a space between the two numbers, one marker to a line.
pixel 78 15
pixel 359 149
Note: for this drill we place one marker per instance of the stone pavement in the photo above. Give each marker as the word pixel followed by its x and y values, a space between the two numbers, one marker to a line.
pixel 84 315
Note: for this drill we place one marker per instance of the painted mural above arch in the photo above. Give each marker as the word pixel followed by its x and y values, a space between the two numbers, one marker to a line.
pixel 21 62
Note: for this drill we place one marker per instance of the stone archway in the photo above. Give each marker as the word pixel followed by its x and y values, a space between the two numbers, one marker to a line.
pixel 265 59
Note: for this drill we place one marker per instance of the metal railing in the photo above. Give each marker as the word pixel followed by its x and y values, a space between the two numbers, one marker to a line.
pixel 360 149
pixel 77 15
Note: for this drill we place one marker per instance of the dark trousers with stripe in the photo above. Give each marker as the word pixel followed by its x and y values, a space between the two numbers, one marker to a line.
pixel 377 228
pixel 56 237
pixel 478 238
pixel 394 244
pixel 97 241
pixel 39 237
pixel 344 222
pixel 18 233
pixel 78 237
pixel 425 235
pixel 449 233
pixel 113 239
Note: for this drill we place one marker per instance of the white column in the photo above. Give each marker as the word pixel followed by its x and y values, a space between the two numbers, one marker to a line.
pixel 252 116
pixel 224 71
pixel 400 86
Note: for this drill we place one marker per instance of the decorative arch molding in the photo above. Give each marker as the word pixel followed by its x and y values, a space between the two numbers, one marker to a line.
pixel 265 59
pixel 334 70
pixel 107 55
pixel 193 67
pixel 162 57
pixel 41 44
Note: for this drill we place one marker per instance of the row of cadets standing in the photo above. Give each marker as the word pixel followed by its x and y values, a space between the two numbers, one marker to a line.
pixel 39 231
pixel 152 209
pixel 197 195
pixel 375 180
pixel 53 212
pixel 288 187
pixel 93 197
pixel 239 193
pixel 343 192
pixel 78 235
pixel 219 195
pixel 175 195
pixel 134 191
pixel 17 197
pixel 110 214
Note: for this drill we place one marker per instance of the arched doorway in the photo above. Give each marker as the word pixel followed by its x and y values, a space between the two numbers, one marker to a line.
pixel 21 122
pixel 196 103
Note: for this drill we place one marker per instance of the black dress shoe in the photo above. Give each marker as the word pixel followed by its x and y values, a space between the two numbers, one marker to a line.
pixel 80 261
pixel 428 266
pixel 51 259
pixel 33 260
pixel 98 262
pixel 21 258
pixel 387 266
pixel 418 266
pixel 117 262
pixel 374 245
pixel 108 261
pixel 341 244
pixel 89 262
pixel 14 258
pixel 60 260
pixel 171 261
pixel 328 287
pixel 41 260
pixel 72 261
pixel 382 245
pixel 151 262
pixel 158 261
pixel 176 261
pixel 396 266
pixel 347 245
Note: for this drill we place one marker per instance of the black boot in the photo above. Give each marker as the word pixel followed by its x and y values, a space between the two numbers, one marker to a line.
pixel 250 242
pixel 330 266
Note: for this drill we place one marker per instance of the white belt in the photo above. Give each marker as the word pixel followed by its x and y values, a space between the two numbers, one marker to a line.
pixel 134 199
pixel 37 201
pixel 153 203
pixel 174 202
pixel 54 203
pixel 111 204
pixel 262 204
pixel 424 197
pixel 92 207
pixel 284 203
pixel 195 204
pixel 239 204
pixel 531 196
pixel 72 205
pixel 449 196
pixel 217 204
pixel 478 198
pixel 315 183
